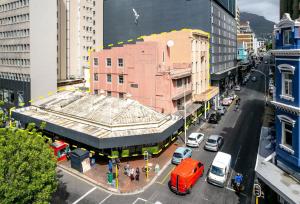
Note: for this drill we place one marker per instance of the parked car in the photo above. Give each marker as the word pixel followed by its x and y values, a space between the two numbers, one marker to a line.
pixel 214 143
pixel 233 96
pixel 180 154
pixel 185 175
pixel 226 101
pixel 214 118
pixel 221 110
pixel 237 88
pixel 266 62
pixel 253 78
pixel 219 170
pixel 195 139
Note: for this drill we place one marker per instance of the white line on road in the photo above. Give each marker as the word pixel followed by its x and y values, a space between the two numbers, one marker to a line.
pixel 105 198
pixel 79 199
pixel 138 200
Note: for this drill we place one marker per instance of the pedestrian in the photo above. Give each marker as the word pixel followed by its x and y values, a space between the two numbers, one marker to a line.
pixel 127 169
pixel 132 174
pixel 110 166
pixel 137 174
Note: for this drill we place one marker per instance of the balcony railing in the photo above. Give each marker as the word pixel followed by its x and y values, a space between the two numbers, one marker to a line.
pixel 283 47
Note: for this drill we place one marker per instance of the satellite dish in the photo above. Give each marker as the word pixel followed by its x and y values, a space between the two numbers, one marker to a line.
pixel 170 43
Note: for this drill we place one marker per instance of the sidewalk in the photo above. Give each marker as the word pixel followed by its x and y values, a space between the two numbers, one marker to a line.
pixel 98 173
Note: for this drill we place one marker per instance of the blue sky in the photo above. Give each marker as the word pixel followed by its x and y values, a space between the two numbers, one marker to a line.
pixel 267 8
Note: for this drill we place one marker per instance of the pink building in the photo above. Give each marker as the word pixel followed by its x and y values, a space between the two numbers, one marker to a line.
pixel 161 72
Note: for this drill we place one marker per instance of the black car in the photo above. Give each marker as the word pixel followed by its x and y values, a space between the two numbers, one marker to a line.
pixel 214 118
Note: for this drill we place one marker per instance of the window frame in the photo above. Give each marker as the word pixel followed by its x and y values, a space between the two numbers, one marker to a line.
pixel 106 62
pixel 121 63
pixel 107 77
pixel 289 31
pixel 283 145
pixel 119 79
pixel 287 85
pixel 96 59
pixel 96 77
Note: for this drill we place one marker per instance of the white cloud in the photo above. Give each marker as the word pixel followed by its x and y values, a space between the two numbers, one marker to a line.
pixel 267 8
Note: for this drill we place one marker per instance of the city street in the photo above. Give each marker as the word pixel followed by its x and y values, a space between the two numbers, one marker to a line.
pixel 240 130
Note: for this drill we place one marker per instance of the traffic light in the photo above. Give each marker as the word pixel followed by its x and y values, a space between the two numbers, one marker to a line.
pixel 257 190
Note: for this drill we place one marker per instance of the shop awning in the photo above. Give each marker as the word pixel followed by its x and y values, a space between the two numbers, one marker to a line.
pixel 190 109
pixel 206 95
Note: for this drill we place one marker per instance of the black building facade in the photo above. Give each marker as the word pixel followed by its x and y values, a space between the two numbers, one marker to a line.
pixel 128 19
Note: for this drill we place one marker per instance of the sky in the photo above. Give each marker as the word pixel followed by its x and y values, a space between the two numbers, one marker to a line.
pixel 267 8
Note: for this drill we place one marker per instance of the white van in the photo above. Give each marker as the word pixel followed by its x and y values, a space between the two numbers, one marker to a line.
pixel 219 170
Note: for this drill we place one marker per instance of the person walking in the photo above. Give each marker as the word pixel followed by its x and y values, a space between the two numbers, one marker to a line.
pixel 132 174
pixel 127 169
pixel 110 166
pixel 137 174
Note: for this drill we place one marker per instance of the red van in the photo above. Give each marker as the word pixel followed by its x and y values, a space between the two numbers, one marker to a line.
pixel 185 175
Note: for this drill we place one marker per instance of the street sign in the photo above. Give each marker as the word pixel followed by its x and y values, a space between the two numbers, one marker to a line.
pixel 257 190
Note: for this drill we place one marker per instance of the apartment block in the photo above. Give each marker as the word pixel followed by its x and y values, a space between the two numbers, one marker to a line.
pixel 163 71
pixel 28 50
pixel 246 36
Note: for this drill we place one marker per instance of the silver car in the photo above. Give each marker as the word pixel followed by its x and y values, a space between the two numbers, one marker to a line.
pixel 214 143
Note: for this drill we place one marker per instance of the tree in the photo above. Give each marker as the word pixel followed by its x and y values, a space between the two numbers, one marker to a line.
pixel 27 167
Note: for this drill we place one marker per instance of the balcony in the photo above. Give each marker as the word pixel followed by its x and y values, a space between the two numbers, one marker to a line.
pixel 206 95
pixel 181 70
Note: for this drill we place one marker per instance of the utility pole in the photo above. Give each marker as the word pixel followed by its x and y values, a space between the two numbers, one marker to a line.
pixel 184 112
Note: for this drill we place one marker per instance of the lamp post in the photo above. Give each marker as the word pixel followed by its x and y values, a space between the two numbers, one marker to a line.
pixel 265 81
pixel 184 112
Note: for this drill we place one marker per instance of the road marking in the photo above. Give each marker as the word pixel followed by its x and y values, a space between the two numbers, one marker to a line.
pixel 237 156
pixel 105 198
pixel 166 176
pixel 79 199
pixel 138 200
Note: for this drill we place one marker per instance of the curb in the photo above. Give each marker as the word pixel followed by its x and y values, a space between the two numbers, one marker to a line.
pixel 113 190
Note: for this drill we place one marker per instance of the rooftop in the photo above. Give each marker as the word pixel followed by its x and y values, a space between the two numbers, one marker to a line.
pixel 97 115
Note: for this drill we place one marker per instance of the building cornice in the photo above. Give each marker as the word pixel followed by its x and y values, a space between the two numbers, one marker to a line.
pixel 287 108
pixel 286 52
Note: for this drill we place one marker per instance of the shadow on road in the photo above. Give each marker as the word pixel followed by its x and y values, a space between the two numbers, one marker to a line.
pixel 61 194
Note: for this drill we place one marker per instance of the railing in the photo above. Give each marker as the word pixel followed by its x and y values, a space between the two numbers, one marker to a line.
pixel 283 47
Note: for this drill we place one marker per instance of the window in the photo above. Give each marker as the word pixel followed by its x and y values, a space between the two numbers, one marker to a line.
pixel 287 84
pixel 134 85
pixel 96 61
pixel 20 98
pixel 120 62
pixel 121 79
pixel 108 78
pixel 96 92
pixel 108 62
pixel 179 82
pixel 287 134
pixel 108 93
pixel 96 77
pixel 121 95
pixel 5 94
pixel 287 37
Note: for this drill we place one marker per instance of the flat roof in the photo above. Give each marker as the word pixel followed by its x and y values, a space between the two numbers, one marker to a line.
pixel 97 116
pixel 277 179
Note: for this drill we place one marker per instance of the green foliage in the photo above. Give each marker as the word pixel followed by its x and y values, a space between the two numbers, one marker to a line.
pixel 27 167
pixel 269 46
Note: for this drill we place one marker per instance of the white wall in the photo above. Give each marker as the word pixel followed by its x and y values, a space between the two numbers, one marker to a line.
pixel 43 47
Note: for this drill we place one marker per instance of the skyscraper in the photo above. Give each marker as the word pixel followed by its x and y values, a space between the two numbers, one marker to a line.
pixel 28 50
pixel 290 6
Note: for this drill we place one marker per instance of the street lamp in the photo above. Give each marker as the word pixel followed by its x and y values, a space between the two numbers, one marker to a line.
pixel 265 81
pixel 184 112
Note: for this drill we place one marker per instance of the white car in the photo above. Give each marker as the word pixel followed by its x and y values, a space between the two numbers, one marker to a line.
pixel 226 101
pixel 237 88
pixel 195 139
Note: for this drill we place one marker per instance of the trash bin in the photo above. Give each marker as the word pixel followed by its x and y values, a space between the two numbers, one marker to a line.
pixel 109 177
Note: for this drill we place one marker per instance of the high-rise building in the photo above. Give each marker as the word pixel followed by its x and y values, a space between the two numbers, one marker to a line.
pixel 238 20
pixel 28 50
pixel 146 17
pixel 290 6
pixel 246 36
pixel 79 31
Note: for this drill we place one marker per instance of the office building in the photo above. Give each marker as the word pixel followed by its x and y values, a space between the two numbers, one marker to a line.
pixel 80 29
pixel 246 36
pixel 145 17
pixel 28 50
pixel 290 6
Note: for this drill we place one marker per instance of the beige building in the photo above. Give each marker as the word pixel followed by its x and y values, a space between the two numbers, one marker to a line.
pixel 80 29
pixel 246 36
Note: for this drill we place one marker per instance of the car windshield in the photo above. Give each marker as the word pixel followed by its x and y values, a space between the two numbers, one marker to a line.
pixel 217 171
pixel 211 141
pixel 177 155
pixel 192 138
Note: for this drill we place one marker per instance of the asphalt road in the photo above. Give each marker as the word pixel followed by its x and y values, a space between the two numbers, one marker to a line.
pixel 240 130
